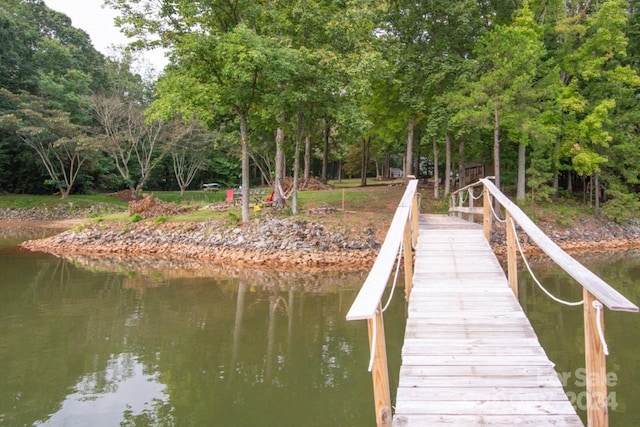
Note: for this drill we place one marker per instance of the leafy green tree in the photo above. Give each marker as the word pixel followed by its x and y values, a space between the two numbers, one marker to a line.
pixel 50 133
pixel 597 83
pixel 506 79
pixel 218 52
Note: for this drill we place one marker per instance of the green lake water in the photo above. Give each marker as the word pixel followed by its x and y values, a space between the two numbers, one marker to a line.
pixel 561 332
pixel 108 342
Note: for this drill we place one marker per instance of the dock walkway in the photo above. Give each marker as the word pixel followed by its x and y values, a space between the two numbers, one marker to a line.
pixel 470 356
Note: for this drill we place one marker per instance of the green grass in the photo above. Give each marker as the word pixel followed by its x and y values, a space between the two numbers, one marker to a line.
pixel 79 201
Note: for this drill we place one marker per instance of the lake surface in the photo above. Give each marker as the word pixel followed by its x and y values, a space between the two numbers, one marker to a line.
pixel 92 342
pixel 561 331
pixel 107 342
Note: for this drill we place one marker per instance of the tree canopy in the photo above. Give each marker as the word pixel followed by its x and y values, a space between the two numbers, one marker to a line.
pixel 543 94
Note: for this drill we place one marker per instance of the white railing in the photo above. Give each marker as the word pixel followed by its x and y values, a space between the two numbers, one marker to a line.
pixel 400 239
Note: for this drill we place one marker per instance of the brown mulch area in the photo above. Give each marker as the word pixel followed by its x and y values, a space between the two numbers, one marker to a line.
pixel 150 207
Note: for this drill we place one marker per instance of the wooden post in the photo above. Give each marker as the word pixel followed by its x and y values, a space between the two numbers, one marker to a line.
pixel 596 365
pixel 379 372
pixel 486 220
pixel 408 263
pixel 415 213
pixel 512 259
pixel 470 192
pixel 460 203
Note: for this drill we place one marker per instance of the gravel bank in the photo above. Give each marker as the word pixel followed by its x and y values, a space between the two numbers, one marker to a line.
pixel 269 242
pixel 281 242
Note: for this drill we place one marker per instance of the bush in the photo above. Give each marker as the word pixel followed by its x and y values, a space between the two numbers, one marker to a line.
pixel 621 207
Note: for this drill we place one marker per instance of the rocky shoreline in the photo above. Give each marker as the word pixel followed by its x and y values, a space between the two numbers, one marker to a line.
pixel 266 243
pixel 284 243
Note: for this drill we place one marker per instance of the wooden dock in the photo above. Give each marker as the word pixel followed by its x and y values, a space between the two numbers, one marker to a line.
pixel 470 356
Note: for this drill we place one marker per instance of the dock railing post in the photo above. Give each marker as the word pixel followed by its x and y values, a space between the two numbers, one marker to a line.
pixel 486 212
pixel 471 217
pixel 379 371
pixel 408 262
pixel 595 362
pixel 512 260
pixel 415 213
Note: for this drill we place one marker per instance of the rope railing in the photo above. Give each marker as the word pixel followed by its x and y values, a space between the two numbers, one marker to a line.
pixel 597 293
pixel 533 276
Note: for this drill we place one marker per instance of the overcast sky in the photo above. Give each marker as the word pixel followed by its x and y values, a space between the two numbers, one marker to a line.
pixel 97 21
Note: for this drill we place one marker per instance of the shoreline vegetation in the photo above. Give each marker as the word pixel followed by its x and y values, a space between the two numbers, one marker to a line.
pixel 323 237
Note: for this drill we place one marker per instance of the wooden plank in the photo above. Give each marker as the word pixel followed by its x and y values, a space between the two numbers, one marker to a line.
pixel 458 370
pixel 481 420
pixel 508 406
pixel 477 360
pixel 494 389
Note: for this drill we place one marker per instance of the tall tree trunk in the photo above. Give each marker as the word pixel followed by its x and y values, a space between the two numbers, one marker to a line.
pixel 462 174
pixel 365 162
pixel 496 145
pixel 296 165
pixel 596 189
pixel 416 167
pixel 411 123
pixel 244 138
pixel 556 169
pixel 325 152
pixel 522 158
pixel 307 158
pixel 447 164
pixel 278 199
pixel 436 172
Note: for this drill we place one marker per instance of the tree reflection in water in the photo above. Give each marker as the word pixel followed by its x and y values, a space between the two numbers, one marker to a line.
pixel 143 344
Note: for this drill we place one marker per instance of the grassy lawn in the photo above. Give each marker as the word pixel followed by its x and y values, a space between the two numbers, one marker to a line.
pixel 51 202
pixel 353 204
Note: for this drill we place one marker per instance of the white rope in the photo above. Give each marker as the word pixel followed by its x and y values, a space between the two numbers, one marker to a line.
pixel 395 277
pixel 598 306
pixel 470 190
pixel 495 215
pixel 535 279
pixel 462 197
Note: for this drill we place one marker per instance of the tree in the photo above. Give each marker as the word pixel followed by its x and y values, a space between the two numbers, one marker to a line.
pixel 129 139
pixel 217 47
pixel 595 83
pixel 189 152
pixel 506 79
pixel 58 142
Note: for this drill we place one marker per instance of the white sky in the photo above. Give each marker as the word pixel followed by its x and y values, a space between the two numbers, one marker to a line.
pixel 97 21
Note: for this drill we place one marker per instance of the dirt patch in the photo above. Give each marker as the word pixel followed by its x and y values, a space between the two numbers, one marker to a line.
pixel 150 207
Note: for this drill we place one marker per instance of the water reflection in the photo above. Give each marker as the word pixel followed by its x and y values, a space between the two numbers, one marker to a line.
pixel 122 387
pixel 81 344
